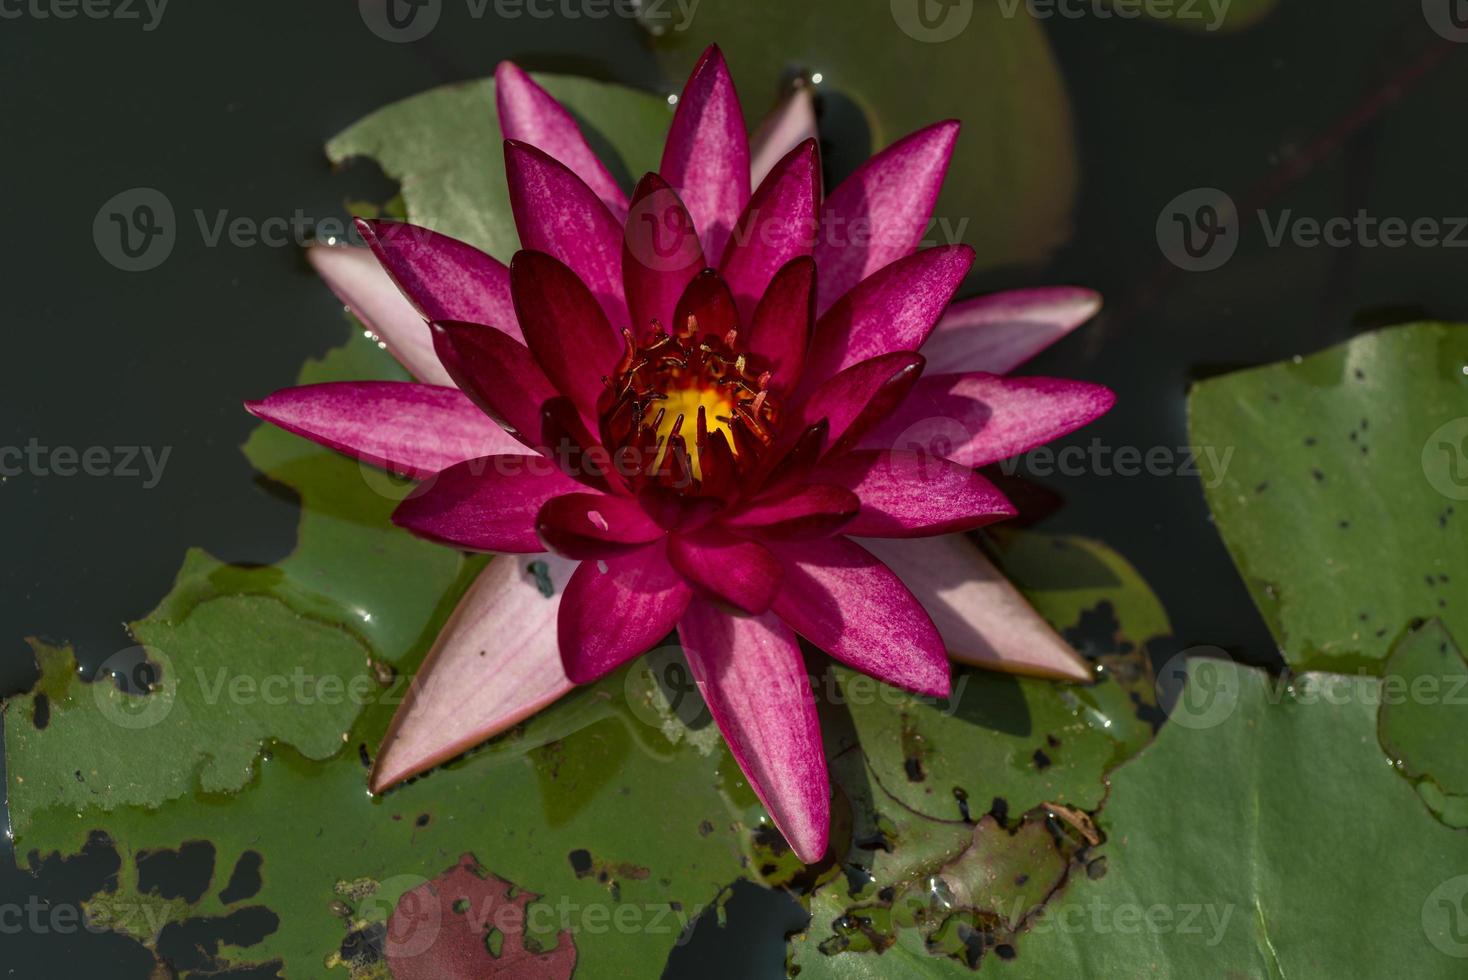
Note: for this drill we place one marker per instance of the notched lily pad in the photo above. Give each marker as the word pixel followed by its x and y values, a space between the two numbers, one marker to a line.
pixel 1340 501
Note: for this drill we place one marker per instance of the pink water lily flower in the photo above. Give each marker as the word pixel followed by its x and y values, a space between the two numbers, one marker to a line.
pixel 704 408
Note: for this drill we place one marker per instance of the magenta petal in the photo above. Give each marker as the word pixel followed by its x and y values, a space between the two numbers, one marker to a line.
pixel 998 333
pixel 977 419
pixel 486 504
pixel 913 495
pixel 789 124
pixel 708 300
pixel 796 511
pixel 360 282
pixel 741 572
pixel 845 601
pixel 783 321
pixel 880 213
pixel 593 525
pixel 660 253
pixel 779 225
pixel 529 114
pixel 860 397
pixel 494 664
pixel 557 214
pixel 752 676
pixel 564 328
pixel 893 309
pixel 617 608
pixel 446 279
pixel 706 156
pixel 983 619
pixel 498 373
pixel 412 429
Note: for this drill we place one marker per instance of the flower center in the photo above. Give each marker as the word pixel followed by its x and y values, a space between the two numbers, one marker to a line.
pixel 693 410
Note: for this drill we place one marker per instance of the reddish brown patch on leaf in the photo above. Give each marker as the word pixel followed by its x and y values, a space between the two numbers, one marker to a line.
pixel 442 930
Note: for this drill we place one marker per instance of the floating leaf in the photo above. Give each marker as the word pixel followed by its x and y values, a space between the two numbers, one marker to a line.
pixel 1341 487
pixel 1276 843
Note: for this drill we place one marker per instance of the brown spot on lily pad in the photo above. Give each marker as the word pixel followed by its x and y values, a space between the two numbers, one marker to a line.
pixel 427 939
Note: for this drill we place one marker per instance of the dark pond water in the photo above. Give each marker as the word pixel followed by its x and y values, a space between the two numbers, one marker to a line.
pixel 1326 109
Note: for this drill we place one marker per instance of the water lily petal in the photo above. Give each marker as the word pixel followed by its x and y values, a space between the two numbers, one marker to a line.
pixel 737 570
pixel 860 397
pixel 593 525
pixel 411 429
pixel 498 373
pixel 530 114
pixel 564 329
pixel 893 309
pixel 788 125
pixel 494 664
pixel 983 619
pixel 486 504
pixel 365 288
pixel 1000 332
pixel 797 511
pixel 660 253
pixel 752 676
pixel 912 495
pixel 708 300
pixel 845 601
pixel 977 419
pixel 616 608
pixel 783 321
pixel 706 157
pixel 556 213
pixel 778 225
pixel 880 213
pixel 446 279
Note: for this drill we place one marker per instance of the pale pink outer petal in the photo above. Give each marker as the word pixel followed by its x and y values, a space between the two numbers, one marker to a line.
pixel 983 618
pixel 530 114
pixel 753 679
pixel 1000 332
pixel 846 602
pixel 494 664
pixel 789 124
pixel 706 156
pixel 977 419
pixel 411 429
pixel 357 279
pixel 880 213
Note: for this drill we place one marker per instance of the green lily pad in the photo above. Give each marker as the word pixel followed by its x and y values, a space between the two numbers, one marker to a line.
pixel 1341 487
pixel 1424 717
pixel 1013 181
pixel 1275 843
pixel 968 815
pixel 446 149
